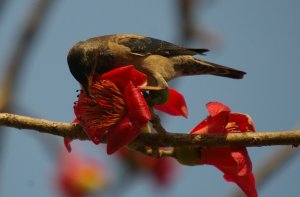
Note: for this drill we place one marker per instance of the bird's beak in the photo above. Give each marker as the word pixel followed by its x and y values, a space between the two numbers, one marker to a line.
pixel 87 86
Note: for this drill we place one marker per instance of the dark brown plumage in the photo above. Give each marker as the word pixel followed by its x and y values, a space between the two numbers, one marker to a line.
pixel 160 60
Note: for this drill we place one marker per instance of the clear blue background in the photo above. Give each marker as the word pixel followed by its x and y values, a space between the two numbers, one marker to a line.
pixel 260 37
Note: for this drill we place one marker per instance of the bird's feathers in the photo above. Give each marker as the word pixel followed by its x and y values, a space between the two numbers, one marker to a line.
pixel 161 61
pixel 151 46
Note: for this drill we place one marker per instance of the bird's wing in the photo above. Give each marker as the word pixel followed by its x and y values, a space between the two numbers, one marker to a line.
pixel 151 46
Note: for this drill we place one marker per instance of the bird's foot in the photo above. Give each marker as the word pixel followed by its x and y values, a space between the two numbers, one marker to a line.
pixel 154 88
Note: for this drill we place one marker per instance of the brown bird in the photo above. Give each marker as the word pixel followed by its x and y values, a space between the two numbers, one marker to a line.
pixel 160 60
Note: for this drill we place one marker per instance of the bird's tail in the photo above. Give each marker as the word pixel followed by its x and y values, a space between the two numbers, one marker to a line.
pixel 188 65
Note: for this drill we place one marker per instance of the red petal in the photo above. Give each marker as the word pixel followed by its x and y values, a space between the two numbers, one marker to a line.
pixel 242 159
pixel 164 169
pixel 75 121
pixel 246 183
pixel 212 124
pixel 216 121
pixel 122 75
pixel 214 108
pixel 235 163
pixel 175 106
pixel 121 135
pixel 218 157
pixel 243 121
pixel 138 111
pixel 95 134
pixel 138 78
pixel 67 142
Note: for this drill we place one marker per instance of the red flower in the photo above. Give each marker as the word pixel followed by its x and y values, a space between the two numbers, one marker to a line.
pixel 162 169
pixel 234 162
pixel 117 107
pixel 78 177
pixel 175 105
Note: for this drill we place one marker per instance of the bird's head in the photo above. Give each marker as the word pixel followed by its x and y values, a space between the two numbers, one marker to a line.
pixel 81 65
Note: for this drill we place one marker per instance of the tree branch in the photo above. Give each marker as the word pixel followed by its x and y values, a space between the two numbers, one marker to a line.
pixel 74 131
pixel 69 130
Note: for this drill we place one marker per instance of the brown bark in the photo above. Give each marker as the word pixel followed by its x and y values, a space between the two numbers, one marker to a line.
pixel 74 131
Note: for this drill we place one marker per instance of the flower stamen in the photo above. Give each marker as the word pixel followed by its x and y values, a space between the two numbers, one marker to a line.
pixel 105 108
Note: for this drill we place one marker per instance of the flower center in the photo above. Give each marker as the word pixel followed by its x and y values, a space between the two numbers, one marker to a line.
pixel 105 108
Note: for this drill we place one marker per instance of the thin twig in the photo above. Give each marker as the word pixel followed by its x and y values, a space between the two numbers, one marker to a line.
pixel 24 42
pixel 74 131
pixel 276 161
pixel 15 62
pixel 194 30
pixel 156 123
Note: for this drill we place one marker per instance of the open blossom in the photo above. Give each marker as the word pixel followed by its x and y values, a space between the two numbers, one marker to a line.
pixel 234 162
pixel 79 177
pixel 116 107
pixel 162 169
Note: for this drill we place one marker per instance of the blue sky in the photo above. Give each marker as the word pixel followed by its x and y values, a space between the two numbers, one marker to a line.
pixel 259 37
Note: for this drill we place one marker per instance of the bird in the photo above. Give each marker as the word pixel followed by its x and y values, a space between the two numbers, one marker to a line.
pixel 160 60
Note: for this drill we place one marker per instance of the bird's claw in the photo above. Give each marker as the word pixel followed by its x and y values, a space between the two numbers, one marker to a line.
pixel 155 88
